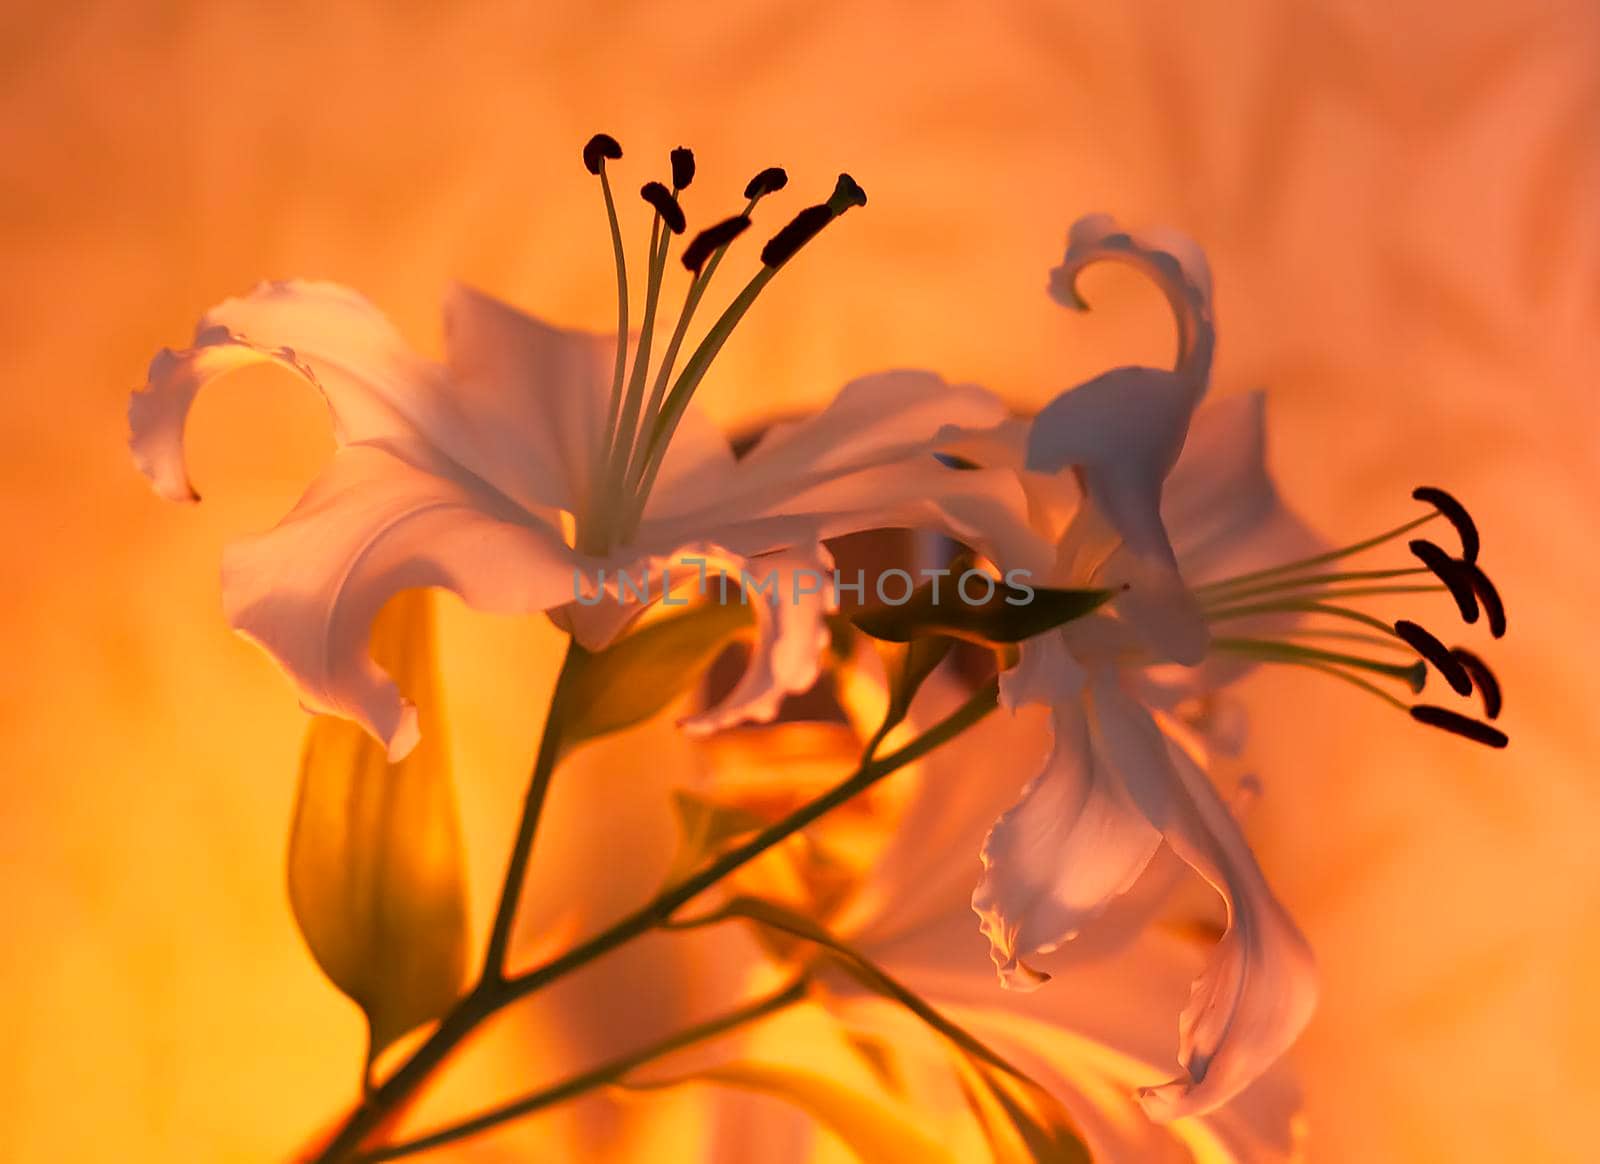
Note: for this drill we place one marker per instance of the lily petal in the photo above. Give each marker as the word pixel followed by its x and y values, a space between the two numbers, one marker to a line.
pixel 532 400
pixel 1172 261
pixel 1259 985
pixel 1123 431
pixel 1073 843
pixel 791 593
pixel 382 518
pixel 1227 518
pixel 328 334
pixel 1046 672
pixel 1221 504
pixel 1093 1040
pixel 865 462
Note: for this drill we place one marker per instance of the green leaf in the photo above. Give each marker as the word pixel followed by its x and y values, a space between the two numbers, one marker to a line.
pixel 641 673
pixel 1037 1116
pixel 1009 615
pixel 876 1132
pixel 376 876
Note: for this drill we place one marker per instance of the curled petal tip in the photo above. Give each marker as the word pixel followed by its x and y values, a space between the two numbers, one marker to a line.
pixel 1163 1104
pixel 407 733
pixel 1016 975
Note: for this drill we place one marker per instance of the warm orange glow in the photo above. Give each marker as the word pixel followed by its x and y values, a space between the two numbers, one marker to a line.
pixel 1403 214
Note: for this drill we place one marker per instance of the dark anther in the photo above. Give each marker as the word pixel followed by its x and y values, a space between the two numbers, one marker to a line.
pixel 1488 595
pixel 782 246
pixel 1452 573
pixel 1483 679
pixel 951 461
pixel 768 181
pixel 1455 513
pixel 846 194
pixel 1460 725
pixel 682 168
pixel 708 240
pixel 601 145
pixel 1436 653
pixel 666 205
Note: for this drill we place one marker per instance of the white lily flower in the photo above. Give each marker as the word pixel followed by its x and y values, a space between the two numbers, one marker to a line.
pixel 1118 780
pixel 1188 530
pixel 530 469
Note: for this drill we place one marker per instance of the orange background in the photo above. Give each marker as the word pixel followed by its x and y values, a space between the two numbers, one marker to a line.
pixel 1402 207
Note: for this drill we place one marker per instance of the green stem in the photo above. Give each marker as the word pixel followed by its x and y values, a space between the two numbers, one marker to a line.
pixel 605 1073
pixel 544 766
pixel 493 994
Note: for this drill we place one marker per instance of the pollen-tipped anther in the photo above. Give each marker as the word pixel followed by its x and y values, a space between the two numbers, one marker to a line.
pixel 600 147
pixel 682 168
pixel 709 240
pixel 666 205
pixel 1436 653
pixel 1483 679
pixel 1487 595
pixel 1458 724
pixel 1453 512
pixel 768 181
pixel 1451 572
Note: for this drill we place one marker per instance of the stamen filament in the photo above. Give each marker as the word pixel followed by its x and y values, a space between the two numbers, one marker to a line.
pixel 587 522
pixel 1413 674
pixel 652 412
pixel 1356 680
pixel 1231 589
pixel 677 400
pixel 1315 632
pixel 1353 592
pixel 1330 556
pixel 623 435
pixel 1299 607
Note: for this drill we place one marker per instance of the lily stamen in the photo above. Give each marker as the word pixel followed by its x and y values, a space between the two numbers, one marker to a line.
pixel 599 149
pixel 1413 674
pixel 779 250
pixel 638 426
pixel 1329 556
pixel 701 258
pixel 667 221
pixel 1289 589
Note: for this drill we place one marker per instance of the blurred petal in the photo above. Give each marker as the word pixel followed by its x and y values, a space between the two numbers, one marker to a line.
pixel 1259 986
pixel 382 518
pixel 792 594
pixel 865 462
pixel 1221 505
pixel 1061 854
pixel 328 334
pixel 1045 672
pixel 1093 1038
